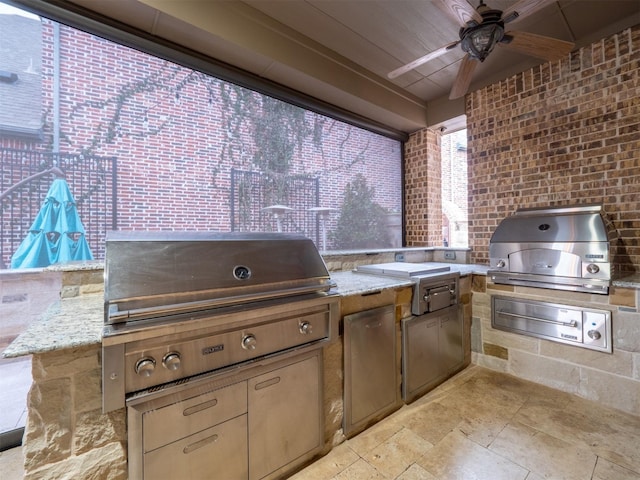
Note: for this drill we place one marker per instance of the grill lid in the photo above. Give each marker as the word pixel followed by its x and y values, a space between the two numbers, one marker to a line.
pixel 565 224
pixel 148 274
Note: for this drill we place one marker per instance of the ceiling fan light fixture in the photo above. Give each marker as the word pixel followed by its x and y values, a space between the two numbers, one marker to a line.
pixel 479 41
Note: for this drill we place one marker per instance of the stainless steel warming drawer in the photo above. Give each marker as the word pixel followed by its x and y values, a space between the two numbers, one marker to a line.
pixel 578 326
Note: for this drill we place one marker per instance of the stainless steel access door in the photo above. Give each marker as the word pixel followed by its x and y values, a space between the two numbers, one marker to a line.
pixel 432 350
pixel 371 375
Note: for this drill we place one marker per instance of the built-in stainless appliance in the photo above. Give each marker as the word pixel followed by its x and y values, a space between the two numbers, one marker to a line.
pixel 430 292
pixel 562 248
pixel 432 339
pixel 370 372
pixel 213 342
pixel 573 325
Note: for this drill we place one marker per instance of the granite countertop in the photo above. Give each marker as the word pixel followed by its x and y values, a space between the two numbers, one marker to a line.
pixel 79 321
pixel 69 323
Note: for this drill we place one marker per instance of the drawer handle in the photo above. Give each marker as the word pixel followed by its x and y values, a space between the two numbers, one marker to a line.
pixel 200 407
pixel 572 323
pixel 267 383
pixel 199 444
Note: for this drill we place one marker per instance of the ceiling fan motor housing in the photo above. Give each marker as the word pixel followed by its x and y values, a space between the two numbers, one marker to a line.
pixel 478 40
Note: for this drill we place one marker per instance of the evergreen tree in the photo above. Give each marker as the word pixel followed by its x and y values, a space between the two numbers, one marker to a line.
pixel 362 221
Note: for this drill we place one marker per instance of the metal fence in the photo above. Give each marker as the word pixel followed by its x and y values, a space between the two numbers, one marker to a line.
pixel 255 198
pixel 25 178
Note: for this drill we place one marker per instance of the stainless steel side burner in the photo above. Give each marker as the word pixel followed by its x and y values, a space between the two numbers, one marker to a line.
pixel 435 286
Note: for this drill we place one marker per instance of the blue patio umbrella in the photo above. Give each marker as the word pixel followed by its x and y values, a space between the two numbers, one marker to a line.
pixel 56 235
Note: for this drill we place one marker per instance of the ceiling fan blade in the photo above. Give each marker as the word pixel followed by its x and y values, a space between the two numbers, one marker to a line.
pixel 422 60
pixel 463 79
pixel 523 8
pixel 538 46
pixel 459 11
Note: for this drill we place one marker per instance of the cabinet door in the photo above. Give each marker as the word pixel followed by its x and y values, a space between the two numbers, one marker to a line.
pixel 371 386
pixel 421 366
pixel 285 417
pixel 451 339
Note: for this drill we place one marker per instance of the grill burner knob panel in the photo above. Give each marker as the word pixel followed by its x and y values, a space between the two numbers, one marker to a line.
pixel 249 342
pixel 306 328
pixel 593 268
pixel 145 366
pixel 171 361
pixel 501 264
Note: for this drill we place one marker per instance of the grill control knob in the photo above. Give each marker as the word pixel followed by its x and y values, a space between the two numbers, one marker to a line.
pixel 501 264
pixel 306 328
pixel 593 268
pixel 171 361
pixel 145 366
pixel 594 334
pixel 249 342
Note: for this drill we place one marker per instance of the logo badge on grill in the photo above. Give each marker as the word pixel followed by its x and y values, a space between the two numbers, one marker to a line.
pixel 213 349
pixel 241 272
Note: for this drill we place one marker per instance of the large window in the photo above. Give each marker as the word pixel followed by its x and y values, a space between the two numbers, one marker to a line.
pixel 147 144
pixel 455 219
pixel 95 136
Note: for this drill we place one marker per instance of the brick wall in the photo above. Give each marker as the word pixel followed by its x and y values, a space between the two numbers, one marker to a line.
pixel 423 205
pixel 562 133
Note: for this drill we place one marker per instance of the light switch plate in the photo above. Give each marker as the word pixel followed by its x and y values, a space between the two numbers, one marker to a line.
pixel 450 255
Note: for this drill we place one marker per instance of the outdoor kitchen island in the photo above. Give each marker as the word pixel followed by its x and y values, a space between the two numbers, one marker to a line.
pixel 68 436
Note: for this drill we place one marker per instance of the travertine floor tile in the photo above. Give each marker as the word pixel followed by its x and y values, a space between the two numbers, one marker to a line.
pixel 366 441
pixel 605 470
pixel 432 421
pixel 360 470
pixel 533 432
pixel 548 456
pixel 330 465
pixel 609 433
pixel 534 476
pixel 456 457
pixel 415 472
pixel 395 455
pixel 11 464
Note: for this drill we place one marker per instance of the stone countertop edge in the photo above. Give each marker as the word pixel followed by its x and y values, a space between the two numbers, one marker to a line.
pixel 69 323
pixel 79 321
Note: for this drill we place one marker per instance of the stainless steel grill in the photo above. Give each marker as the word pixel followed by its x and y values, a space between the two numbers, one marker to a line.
pixel 182 304
pixel 213 342
pixel 563 248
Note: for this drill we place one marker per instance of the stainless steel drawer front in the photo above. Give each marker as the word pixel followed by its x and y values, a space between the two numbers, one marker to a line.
pixel 573 325
pixel 180 419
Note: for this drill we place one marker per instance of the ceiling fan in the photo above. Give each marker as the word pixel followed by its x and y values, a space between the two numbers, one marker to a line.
pixel 482 29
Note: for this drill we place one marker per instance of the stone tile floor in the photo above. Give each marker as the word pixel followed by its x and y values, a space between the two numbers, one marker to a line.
pixel 484 425
pixel 480 425
pixel 15 381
